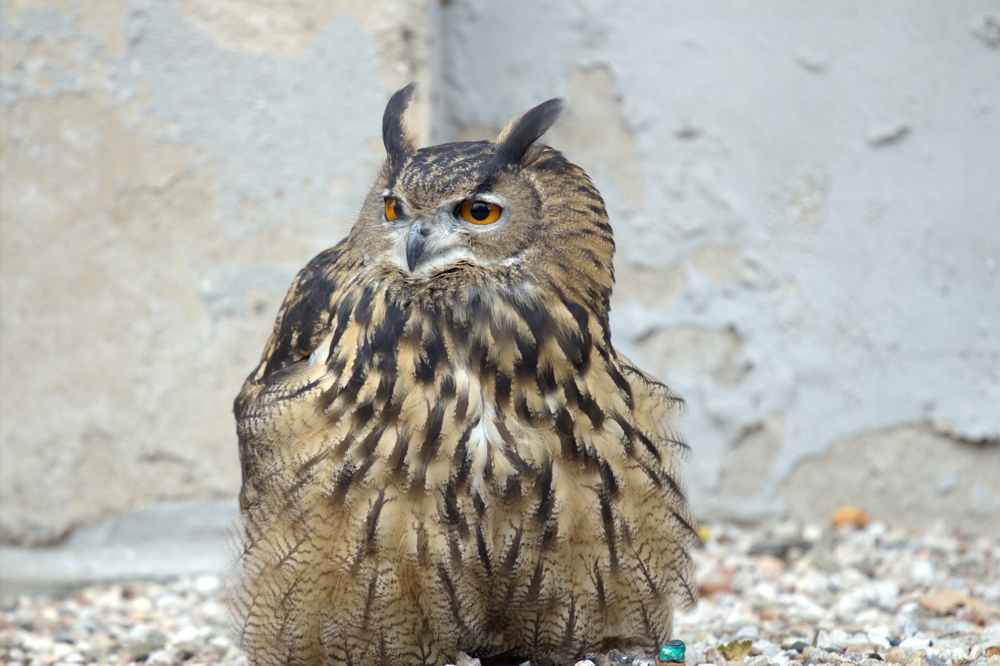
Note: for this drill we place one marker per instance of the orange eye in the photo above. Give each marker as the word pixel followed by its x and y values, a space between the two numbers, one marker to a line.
pixel 480 212
pixel 392 209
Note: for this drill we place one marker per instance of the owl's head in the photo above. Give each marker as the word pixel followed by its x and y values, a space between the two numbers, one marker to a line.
pixel 482 205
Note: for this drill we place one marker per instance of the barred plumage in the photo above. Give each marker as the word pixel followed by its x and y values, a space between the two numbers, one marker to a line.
pixel 441 449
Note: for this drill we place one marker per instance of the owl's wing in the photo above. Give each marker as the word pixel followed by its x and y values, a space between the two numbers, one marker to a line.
pixel 284 370
pixel 657 407
pixel 304 317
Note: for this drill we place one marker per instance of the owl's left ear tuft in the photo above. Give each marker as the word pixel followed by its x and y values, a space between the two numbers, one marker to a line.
pixel 521 132
pixel 397 144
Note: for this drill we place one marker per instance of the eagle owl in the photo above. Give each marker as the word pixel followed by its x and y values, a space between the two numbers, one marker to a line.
pixel 441 449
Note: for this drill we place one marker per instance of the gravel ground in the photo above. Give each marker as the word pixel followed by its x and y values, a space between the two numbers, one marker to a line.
pixel 770 594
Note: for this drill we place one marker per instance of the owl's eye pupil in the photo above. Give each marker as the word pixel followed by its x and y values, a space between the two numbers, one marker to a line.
pixel 480 210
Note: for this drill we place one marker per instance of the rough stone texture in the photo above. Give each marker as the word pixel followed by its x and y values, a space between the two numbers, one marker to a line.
pixel 806 212
pixel 804 201
pixel 769 592
pixel 908 474
pixel 159 541
pixel 167 168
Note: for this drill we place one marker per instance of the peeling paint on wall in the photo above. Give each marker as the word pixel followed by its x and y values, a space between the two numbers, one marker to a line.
pixel 747 464
pixel 291 29
pixel 818 238
pixel 161 187
pixel 596 135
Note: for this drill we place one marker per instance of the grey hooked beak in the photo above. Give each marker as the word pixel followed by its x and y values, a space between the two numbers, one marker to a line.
pixel 415 244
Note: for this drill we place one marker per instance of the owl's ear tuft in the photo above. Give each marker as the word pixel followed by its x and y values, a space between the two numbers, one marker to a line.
pixel 397 144
pixel 521 132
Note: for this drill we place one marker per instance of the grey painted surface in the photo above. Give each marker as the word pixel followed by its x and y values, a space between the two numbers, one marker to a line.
pixel 850 152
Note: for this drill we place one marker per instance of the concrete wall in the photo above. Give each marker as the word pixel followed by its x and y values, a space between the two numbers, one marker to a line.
pixel 804 195
pixel 806 200
pixel 167 168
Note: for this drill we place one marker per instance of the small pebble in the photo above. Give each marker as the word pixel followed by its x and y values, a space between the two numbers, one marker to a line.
pixel 897 655
pixel 466 660
pixel 766 648
pixel 617 658
pixel 162 658
pixel 915 642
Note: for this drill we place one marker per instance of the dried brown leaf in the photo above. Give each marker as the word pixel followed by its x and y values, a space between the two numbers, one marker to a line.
pixel 852 516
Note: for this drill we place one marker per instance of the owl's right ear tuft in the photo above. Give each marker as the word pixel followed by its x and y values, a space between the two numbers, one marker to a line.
pixel 521 132
pixel 397 144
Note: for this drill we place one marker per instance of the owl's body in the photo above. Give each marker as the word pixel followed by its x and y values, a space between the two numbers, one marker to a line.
pixel 441 449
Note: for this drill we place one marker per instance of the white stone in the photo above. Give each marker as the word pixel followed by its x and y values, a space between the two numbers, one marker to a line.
pixel 162 658
pixel 915 643
pixel 760 660
pixel 923 571
pixel 767 648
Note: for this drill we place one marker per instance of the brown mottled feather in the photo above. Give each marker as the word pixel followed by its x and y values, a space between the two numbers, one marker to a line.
pixel 458 459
